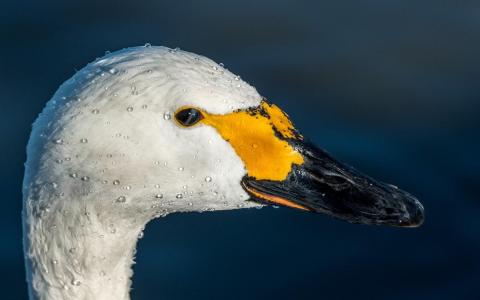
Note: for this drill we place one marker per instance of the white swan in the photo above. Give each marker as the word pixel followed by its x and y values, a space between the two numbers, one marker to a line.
pixel 148 131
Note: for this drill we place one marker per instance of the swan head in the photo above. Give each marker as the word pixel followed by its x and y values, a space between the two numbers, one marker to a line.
pixel 148 131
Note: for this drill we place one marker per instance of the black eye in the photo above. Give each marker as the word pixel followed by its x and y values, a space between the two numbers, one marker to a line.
pixel 188 116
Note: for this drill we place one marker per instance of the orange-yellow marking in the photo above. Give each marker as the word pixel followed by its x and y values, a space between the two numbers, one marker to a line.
pixel 266 156
pixel 279 120
pixel 275 199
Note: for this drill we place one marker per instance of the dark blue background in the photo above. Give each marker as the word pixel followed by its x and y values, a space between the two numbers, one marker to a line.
pixel 391 87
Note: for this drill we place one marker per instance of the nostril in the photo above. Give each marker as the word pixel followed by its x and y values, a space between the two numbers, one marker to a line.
pixel 389 210
pixel 336 180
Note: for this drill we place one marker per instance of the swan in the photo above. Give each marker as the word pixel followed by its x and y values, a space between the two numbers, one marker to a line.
pixel 148 131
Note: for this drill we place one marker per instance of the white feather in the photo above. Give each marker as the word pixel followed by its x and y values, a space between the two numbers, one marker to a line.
pixel 105 157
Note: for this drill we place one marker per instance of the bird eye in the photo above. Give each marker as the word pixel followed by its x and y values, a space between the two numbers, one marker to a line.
pixel 188 116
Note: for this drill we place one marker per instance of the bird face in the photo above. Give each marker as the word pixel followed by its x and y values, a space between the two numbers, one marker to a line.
pixel 281 168
pixel 154 131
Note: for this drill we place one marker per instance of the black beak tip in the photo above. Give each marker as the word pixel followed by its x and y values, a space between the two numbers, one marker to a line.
pixel 415 216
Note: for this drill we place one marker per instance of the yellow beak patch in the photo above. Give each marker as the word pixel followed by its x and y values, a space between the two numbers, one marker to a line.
pixel 258 136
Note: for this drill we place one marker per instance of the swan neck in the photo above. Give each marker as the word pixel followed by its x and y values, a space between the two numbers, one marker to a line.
pixel 78 252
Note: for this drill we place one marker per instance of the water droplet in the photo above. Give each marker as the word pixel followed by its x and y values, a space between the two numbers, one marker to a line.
pixel 208 179
pixel 159 196
pixel 68 159
pixel 167 116
pixel 54 185
pixel 113 71
pixel 140 235
pixel 58 141
pixel 121 199
pixel 83 141
pixel 181 169
pixel 73 175
pixel 116 182
pixel 129 109
pixel 55 262
pixel 190 204
pixel 105 181
pixel 127 187
pixel 147 45
pixel 237 77
pixel 76 282
pixel 113 230
pixel 221 65
pixel 59 161
pixel 179 196
pixel 157 186
pixel 215 68
pixel 85 178
pixel 95 111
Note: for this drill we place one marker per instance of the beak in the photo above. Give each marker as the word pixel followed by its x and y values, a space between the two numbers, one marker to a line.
pixel 323 185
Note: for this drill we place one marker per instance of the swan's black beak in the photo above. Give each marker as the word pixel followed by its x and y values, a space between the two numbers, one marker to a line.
pixel 285 170
pixel 323 185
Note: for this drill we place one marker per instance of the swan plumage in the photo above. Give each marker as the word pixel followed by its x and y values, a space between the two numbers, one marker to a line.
pixel 106 156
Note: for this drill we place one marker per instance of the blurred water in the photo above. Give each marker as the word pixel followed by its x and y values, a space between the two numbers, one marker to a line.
pixel 391 87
